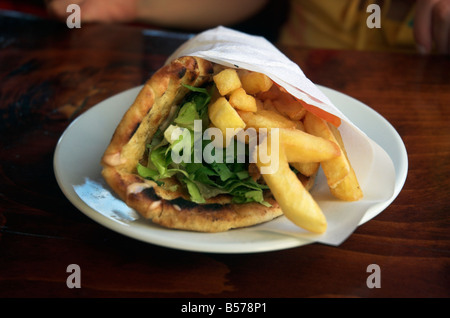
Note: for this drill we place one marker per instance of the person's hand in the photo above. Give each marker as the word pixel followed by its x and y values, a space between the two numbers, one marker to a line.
pixel 432 26
pixel 96 10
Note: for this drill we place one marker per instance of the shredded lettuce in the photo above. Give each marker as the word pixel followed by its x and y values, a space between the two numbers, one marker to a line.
pixel 201 180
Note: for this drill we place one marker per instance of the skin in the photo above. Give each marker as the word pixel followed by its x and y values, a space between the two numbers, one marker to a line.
pixel 192 14
pixel 431 25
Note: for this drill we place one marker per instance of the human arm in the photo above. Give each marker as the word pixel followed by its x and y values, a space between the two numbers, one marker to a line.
pixel 192 14
pixel 432 25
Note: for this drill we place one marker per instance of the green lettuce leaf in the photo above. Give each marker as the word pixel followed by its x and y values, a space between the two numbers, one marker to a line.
pixel 201 180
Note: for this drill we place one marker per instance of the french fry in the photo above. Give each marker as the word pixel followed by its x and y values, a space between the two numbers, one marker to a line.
pixel 306 168
pixel 335 169
pixel 227 81
pixel 268 105
pixel 300 125
pixel 265 119
pixel 348 189
pixel 271 94
pixel 259 104
pixel 283 102
pixel 245 100
pixel 239 99
pixel 290 108
pixel 224 116
pixel 308 182
pixel 303 147
pixel 254 82
pixel 295 201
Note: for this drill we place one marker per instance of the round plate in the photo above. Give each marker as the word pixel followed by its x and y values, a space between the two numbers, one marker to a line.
pixel 78 173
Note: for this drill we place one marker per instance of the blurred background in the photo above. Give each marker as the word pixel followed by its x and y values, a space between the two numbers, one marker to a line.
pixel 267 22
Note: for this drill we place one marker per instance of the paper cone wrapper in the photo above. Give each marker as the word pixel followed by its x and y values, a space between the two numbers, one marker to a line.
pixel 372 165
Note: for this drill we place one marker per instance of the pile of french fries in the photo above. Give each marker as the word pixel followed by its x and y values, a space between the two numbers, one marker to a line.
pixel 246 99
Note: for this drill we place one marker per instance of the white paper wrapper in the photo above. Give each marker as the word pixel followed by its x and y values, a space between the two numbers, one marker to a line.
pixel 374 168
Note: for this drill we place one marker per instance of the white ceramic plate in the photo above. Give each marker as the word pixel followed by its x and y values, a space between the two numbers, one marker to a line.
pixel 77 170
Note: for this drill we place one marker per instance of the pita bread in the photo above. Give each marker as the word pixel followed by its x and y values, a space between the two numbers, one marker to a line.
pixel 127 147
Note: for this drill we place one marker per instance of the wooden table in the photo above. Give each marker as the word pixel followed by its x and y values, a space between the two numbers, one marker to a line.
pixel 51 74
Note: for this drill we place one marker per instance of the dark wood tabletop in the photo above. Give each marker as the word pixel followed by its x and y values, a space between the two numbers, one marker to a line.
pixel 51 74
